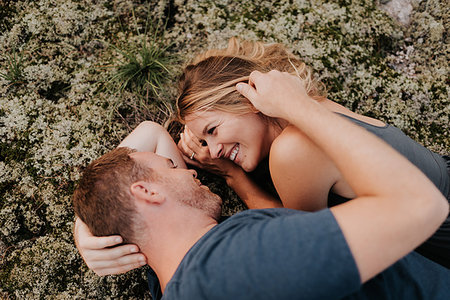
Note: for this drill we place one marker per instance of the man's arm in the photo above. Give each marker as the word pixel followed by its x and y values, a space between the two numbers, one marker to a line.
pixel 396 208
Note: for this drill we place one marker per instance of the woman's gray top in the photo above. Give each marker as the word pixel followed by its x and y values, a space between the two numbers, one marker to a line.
pixel 434 166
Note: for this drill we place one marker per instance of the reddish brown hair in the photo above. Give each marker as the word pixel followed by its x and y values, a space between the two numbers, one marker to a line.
pixel 103 200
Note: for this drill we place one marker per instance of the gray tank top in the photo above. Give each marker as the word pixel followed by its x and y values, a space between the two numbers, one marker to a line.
pixel 433 165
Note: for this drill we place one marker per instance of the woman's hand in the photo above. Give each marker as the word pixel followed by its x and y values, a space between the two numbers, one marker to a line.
pixel 102 255
pixel 274 93
pixel 190 144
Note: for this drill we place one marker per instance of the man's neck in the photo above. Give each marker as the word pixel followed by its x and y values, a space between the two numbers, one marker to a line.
pixel 166 251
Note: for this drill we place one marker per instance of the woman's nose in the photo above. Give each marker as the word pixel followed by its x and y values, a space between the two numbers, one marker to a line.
pixel 216 150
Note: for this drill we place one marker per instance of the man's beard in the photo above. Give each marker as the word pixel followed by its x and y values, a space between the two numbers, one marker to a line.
pixel 204 200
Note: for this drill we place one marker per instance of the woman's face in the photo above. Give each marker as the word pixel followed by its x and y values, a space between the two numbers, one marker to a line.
pixel 243 139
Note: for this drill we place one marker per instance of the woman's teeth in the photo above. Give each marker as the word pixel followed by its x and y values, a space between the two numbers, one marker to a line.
pixel 234 152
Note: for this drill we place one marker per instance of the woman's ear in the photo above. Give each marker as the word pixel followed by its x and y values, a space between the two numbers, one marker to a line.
pixel 146 192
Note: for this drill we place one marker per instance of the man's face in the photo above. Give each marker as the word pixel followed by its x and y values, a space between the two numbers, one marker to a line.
pixel 179 184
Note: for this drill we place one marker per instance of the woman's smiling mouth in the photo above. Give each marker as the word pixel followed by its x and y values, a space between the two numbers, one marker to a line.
pixel 234 152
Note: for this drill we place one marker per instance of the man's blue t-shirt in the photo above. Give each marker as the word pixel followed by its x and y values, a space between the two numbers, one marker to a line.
pixel 290 254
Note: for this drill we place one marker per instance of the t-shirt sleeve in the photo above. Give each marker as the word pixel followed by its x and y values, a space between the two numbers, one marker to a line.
pixel 296 256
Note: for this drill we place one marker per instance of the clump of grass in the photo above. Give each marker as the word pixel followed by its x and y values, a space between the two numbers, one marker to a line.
pixel 145 70
pixel 139 82
pixel 139 78
pixel 14 72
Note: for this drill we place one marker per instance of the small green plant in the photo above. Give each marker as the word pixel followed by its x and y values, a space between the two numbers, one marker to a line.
pixel 14 72
pixel 143 71
pixel 138 80
pixel 145 68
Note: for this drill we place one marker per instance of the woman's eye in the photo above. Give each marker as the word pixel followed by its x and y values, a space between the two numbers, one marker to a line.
pixel 211 130
pixel 203 143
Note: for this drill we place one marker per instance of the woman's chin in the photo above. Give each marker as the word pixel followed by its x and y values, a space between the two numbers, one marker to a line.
pixel 248 168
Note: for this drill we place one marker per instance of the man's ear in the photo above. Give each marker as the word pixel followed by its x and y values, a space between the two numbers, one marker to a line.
pixel 146 192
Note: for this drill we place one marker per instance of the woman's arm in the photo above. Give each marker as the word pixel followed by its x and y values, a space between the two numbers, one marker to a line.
pixel 396 208
pixel 237 179
pixel 249 192
pixel 152 137
pixel 102 254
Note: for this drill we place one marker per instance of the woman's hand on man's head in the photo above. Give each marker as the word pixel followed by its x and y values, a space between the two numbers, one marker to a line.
pixel 103 255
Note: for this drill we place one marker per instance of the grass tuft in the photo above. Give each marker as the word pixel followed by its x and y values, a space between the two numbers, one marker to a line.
pixel 138 79
pixel 143 71
pixel 14 72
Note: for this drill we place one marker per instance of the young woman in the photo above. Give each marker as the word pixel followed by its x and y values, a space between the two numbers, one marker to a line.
pixel 227 135
pixel 221 125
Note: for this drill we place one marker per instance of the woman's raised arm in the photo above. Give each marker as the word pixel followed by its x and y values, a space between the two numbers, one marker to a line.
pixel 106 255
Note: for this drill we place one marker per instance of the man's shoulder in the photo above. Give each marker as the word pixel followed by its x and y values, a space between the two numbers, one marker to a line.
pixel 271 247
pixel 266 213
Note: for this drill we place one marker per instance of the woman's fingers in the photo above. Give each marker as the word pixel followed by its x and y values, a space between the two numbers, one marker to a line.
pixel 111 254
pixel 117 270
pixel 86 240
pixel 201 151
pixel 99 242
pixel 192 162
pixel 184 148
pixel 102 261
pixel 103 254
pixel 189 145
pixel 114 260
pixel 192 140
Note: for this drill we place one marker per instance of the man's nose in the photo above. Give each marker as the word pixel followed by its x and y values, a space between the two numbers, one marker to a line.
pixel 194 173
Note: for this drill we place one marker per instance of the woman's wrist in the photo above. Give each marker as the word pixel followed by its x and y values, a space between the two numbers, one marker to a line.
pixel 233 174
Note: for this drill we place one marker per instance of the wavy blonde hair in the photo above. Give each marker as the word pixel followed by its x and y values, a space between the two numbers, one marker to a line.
pixel 208 83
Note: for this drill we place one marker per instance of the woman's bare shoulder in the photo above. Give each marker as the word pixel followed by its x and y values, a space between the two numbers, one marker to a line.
pixel 301 172
pixel 291 141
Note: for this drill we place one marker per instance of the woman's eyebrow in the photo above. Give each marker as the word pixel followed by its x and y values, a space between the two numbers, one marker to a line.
pixel 205 129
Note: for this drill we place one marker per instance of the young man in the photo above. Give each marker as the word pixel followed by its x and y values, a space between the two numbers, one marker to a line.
pixel 353 250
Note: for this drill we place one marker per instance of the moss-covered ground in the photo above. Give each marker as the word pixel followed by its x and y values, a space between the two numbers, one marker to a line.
pixel 64 101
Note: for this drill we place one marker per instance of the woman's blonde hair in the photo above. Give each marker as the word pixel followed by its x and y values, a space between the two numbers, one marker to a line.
pixel 208 83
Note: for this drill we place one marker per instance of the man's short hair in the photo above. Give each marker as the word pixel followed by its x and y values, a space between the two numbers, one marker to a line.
pixel 103 199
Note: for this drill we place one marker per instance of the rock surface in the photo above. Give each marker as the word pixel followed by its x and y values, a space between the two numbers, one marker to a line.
pixel 399 9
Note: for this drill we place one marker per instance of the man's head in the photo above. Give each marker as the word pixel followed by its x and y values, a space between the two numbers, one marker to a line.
pixel 116 184
pixel 103 199
pixel 178 184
